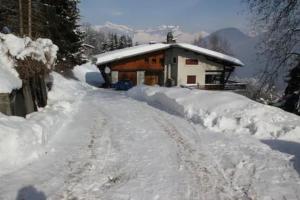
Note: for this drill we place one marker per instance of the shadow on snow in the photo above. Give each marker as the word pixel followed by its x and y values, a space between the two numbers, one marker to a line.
pixel 292 148
pixel 30 193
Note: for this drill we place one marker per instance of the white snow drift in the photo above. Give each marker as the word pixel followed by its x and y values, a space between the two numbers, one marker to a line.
pixel 13 48
pixel 88 73
pixel 22 140
pixel 222 111
pixel 101 144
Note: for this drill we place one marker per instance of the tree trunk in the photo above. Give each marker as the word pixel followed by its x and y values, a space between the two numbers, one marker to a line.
pixel 21 18
pixel 29 18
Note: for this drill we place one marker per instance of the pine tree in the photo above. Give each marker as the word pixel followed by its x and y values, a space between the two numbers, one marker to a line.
pixel 115 42
pixel 129 41
pixel 292 92
pixel 123 42
pixel 61 26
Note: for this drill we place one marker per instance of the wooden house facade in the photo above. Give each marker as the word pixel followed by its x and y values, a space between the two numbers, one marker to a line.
pixel 175 64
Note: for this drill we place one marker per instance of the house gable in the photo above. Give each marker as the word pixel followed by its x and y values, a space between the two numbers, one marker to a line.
pixel 148 62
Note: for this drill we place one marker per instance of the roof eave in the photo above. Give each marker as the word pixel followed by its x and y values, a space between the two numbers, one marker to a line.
pixel 234 64
pixel 129 56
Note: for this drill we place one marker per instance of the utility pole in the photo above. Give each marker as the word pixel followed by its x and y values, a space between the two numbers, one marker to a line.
pixel 21 18
pixel 29 18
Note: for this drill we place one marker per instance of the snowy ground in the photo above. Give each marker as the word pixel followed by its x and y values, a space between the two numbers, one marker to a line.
pixel 105 145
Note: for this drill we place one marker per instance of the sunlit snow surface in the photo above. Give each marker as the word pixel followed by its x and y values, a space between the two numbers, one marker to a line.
pixel 102 144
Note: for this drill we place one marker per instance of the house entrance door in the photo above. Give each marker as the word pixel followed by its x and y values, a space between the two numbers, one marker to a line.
pixel 152 78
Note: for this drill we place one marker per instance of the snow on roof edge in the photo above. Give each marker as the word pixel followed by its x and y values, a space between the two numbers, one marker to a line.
pixel 119 54
pixel 211 53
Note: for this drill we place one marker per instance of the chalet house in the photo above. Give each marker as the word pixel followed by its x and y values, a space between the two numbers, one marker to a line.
pixel 167 64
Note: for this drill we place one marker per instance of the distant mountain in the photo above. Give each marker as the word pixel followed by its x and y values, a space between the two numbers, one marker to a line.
pixel 157 34
pixel 244 48
pixel 233 35
pixel 109 27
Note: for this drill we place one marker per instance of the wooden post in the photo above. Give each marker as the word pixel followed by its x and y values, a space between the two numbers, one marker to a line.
pixel 29 18
pixel 21 18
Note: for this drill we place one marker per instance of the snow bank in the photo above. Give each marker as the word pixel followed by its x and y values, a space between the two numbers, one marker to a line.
pixel 22 140
pixel 88 73
pixel 13 48
pixel 222 111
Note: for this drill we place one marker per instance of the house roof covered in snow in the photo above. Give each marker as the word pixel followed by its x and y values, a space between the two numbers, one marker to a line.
pixel 116 55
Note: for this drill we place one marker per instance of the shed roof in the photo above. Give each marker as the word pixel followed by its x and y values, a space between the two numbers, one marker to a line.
pixel 116 55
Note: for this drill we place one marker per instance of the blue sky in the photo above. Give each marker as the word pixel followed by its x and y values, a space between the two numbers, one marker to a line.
pixel 191 15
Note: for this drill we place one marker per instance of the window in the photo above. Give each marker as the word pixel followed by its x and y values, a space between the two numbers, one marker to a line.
pixel 147 60
pixel 191 62
pixel 153 60
pixel 162 61
pixel 213 79
pixel 174 60
pixel 191 80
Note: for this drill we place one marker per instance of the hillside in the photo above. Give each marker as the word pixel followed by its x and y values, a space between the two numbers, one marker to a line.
pixel 245 48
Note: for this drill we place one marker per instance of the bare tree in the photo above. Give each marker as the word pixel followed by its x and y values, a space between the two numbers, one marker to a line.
pixel 279 20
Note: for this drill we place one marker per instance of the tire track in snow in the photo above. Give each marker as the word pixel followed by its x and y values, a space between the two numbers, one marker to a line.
pixel 207 182
pixel 80 171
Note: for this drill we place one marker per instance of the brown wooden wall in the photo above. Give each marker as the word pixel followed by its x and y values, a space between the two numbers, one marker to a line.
pixel 148 62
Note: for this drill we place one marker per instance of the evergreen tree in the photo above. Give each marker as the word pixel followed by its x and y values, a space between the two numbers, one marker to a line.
pixel 56 20
pixel 129 41
pixel 292 92
pixel 123 42
pixel 61 26
pixel 115 42
pixel 61 22
pixel 111 43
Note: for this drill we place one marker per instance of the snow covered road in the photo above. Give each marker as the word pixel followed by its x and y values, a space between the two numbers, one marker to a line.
pixel 115 147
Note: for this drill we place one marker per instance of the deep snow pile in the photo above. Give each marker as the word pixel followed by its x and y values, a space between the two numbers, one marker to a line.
pixel 222 111
pixel 13 48
pixel 22 140
pixel 88 73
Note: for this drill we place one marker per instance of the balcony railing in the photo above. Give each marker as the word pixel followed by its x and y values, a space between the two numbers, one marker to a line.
pixel 233 85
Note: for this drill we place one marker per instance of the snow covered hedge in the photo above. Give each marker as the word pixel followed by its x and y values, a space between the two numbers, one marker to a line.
pixel 222 111
pixel 13 48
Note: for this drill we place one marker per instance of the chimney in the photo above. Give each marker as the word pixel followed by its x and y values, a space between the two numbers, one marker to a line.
pixel 170 38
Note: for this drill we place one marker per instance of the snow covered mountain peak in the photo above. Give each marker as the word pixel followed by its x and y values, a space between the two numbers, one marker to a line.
pixel 157 33
pixel 110 27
